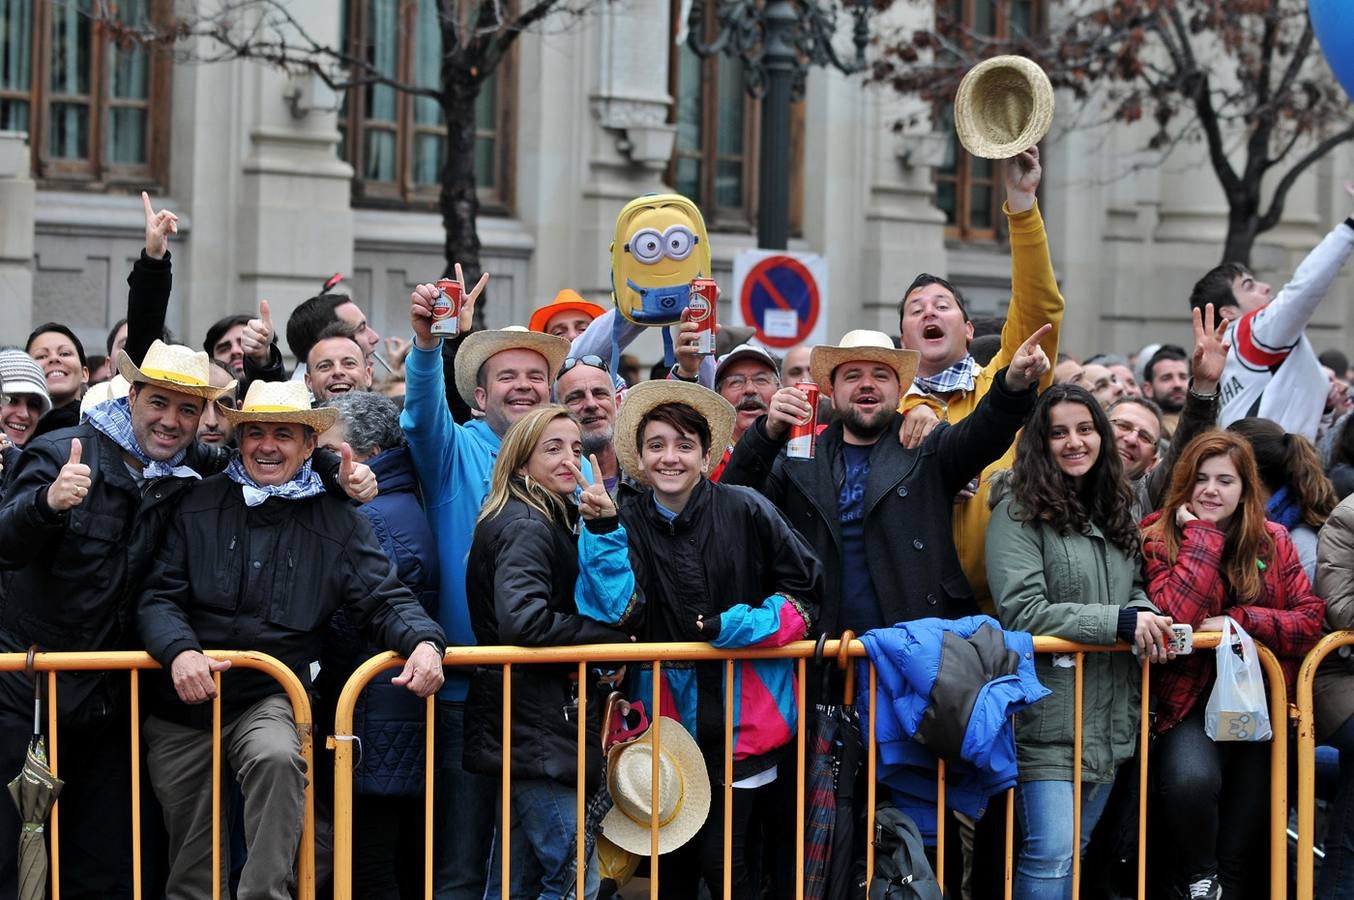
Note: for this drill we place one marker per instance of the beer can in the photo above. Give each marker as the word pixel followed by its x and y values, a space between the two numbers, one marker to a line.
pixel 804 436
pixel 447 308
pixel 704 294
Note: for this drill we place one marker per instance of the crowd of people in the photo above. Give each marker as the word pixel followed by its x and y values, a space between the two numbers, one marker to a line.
pixel 507 487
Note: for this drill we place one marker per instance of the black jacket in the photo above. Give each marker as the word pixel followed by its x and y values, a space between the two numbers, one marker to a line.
pixel 909 502
pixel 267 578
pixel 70 578
pixel 520 577
pixel 728 546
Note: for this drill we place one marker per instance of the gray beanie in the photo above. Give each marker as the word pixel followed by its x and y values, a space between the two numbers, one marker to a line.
pixel 20 374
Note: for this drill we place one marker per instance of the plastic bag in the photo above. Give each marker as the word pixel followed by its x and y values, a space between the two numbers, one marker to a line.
pixel 1237 708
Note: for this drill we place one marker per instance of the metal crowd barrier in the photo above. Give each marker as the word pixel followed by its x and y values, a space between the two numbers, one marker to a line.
pixel 843 650
pixel 1306 750
pixel 134 663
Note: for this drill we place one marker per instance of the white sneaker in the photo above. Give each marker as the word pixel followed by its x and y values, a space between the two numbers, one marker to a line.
pixel 1206 888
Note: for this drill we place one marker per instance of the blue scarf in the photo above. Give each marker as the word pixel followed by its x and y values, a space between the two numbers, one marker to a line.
pixel 958 377
pixel 1283 509
pixel 306 483
pixel 113 419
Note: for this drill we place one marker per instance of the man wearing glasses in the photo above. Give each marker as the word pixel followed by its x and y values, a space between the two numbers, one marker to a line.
pixel 584 385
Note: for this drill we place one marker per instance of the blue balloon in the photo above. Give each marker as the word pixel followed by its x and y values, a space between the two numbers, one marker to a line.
pixel 1333 24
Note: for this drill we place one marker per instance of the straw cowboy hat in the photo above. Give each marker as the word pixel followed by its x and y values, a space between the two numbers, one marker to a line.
pixel 1004 106
pixel 480 345
pixel 567 300
pixel 102 392
pixel 683 789
pixel 862 345
pixel 644 397
pixel 280 401
pixel 173 367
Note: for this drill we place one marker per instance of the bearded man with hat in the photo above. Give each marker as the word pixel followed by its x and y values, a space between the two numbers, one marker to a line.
pixel 877 512
pixel 259 557
pixel 505 373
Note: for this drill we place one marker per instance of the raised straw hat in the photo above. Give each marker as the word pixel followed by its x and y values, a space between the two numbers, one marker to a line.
pixel 480 345
pixel 280 401
pixel 173 367
pixel 1004 106
pixel 683 789
pixel 646 396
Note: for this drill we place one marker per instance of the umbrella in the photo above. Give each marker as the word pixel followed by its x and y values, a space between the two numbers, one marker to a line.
pixel 34 791
pixel 833 868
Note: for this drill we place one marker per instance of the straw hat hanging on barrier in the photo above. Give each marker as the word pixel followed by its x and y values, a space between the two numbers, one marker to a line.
pixel 1004 106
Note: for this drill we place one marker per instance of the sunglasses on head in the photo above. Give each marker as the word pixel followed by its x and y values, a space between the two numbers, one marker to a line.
pixel 591 359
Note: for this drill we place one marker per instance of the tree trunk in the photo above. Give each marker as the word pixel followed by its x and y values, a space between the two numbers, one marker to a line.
pixel 1243 226
pixel 459 200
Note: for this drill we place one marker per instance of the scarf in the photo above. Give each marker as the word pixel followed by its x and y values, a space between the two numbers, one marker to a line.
pixel 113 419
pixel 958 377
pixel 306 483
pixel 1283 509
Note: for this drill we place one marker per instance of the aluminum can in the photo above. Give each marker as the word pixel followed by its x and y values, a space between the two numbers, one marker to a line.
pixel 704 294
pixel 804 436
pixel 447 308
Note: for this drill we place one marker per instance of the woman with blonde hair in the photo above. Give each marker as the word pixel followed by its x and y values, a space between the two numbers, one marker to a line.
pixel 1210 554
pixel 520 580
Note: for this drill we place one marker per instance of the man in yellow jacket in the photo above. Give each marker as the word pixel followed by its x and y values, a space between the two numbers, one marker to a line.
pixel 949 382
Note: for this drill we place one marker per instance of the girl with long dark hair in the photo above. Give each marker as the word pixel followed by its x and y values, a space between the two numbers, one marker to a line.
pixel 1297 494
pixel 1062 559
pixel 1210 553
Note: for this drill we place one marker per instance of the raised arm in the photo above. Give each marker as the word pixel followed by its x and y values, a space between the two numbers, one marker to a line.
pixel 150 282
pixel 29 524
pixel 1201 402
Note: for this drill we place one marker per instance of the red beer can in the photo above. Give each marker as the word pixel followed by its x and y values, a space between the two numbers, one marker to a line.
pixel 704 295
pixel 804 436
pixel 447 308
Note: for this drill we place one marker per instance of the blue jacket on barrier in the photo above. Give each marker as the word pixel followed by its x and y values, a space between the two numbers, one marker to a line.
pixel 948 688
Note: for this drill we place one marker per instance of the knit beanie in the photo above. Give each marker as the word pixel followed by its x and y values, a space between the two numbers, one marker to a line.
pixel 20 374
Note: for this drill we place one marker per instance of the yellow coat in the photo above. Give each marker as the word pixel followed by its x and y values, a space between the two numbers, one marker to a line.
pixel 1035 300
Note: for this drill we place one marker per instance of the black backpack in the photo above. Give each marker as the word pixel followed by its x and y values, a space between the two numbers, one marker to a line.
pixel 901 869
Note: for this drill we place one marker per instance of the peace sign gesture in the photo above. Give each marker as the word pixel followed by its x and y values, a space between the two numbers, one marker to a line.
pixel 594 502
pixel 1210 350
pixel 159 226
pixel 1029 363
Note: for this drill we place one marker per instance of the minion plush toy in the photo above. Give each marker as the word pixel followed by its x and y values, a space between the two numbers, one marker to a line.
pixel 660 245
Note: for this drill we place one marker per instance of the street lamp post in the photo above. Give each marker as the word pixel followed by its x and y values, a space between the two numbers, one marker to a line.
pixel 777 41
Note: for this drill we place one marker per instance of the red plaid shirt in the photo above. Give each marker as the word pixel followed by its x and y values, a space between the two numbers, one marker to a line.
pixel 1286 617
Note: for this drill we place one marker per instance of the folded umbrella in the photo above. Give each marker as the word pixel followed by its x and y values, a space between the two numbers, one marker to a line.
pixel 34 790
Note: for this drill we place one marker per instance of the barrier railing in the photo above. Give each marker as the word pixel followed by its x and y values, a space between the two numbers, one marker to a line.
pixel 134 663
pixel 1306 752
pixel 843 651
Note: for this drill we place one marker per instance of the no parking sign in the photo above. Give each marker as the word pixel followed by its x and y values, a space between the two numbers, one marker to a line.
pixel 781 295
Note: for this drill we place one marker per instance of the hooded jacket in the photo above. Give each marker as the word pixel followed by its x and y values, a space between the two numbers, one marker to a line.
pixel 730 556
pixel 947 688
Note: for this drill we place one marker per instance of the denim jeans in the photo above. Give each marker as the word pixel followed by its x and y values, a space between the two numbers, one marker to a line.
pixel 543 853
pixel 1337 872
pixel 1043 869
pixel 463 819
pixel 1212 807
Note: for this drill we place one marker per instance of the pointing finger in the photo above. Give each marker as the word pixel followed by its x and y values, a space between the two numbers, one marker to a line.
pixel 145 201
pixel 1033 340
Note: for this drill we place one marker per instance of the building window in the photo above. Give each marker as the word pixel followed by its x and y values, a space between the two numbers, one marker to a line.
pixel 396 141
pixel 714 159
pixel 94 107
pixel 969 189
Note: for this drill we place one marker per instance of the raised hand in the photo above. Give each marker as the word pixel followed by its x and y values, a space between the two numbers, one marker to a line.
pixel 594 502
pixel 1023 173
pixel 421 316
pixel 257 338
pixel 358 480
pixel 192 671
pixel 159 226
pixel 1210 350
pixel 72 482
pixel 472 297
pixel 1029 363
pixel 789 407
pixel 684 347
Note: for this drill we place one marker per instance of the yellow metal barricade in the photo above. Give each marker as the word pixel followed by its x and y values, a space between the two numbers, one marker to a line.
pixel 1306 750
pixel 133 663
pixel 844 650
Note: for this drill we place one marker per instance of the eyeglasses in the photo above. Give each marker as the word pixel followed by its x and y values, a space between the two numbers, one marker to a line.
pixel 1123 426
pixel 738 382
pixel 591 359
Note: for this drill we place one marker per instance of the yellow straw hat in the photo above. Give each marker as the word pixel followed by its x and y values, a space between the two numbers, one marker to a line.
pixel 683 790
pixel 280 401
pixel 173 367
pixel 480 345
pixel 1003 107
pixel 644 397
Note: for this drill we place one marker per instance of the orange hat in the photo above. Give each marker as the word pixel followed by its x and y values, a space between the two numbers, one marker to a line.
pixel 567 300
